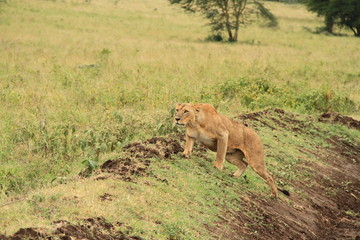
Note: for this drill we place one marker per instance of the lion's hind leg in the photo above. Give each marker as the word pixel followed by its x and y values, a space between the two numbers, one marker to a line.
pixel 237 158
pixel 256 161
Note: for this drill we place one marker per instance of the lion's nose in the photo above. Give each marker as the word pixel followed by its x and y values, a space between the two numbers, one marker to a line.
pixel 177 119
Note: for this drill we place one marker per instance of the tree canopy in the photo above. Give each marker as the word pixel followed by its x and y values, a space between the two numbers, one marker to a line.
pixel 227 15
pixel 345 13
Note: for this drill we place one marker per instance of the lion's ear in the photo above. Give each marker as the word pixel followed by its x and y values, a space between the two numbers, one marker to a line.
pixel 197 107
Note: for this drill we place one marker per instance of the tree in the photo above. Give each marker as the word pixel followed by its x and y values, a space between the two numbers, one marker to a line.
pixel 227 15
pixel 345 13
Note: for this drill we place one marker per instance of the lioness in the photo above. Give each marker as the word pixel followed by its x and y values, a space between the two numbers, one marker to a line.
pixel 229 139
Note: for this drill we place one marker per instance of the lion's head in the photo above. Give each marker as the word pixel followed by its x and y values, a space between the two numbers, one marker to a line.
pixel 185 114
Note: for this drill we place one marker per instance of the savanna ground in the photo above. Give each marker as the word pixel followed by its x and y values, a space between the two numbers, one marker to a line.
pixel 90 85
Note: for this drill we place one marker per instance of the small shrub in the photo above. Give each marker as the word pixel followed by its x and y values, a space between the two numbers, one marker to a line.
pixel 36 199
pixel 90 165
pixel 324 101
pixel 167 125
pixel 11 180
pixel 215 38
pixel 252 93
pixel 103 56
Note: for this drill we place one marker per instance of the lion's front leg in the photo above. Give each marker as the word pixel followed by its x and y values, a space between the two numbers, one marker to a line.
pixel 221 151
pixel 188 145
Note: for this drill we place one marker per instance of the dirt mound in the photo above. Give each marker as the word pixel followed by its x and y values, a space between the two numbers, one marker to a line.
pixel 25 233
pixel 288 120
pixel 138 154
pixel 125 168
pixel 256 115
pixel 340 119
pixel 324 206
pixel 275 119
pixel 266 219
pixel 91 229
pixel 157 147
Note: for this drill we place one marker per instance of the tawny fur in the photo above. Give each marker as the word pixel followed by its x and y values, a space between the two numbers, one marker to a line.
pixel 229 139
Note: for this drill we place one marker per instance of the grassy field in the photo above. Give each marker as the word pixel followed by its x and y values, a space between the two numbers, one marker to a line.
pixel 78 81
pixel 181 198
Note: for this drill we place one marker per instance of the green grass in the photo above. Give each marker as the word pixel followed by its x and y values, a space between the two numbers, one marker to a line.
pixel 81 68
pixel 79 81
pixel 179 206
pixel 180 197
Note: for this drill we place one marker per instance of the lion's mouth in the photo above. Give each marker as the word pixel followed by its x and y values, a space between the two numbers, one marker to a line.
pixel 179 124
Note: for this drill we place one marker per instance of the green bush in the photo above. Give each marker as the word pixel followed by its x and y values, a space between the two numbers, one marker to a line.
pixel 167 125
pixel 260 93
pixel 252 93
pixel 324 101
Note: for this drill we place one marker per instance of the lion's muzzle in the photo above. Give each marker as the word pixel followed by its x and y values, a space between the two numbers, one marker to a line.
pixel 178 123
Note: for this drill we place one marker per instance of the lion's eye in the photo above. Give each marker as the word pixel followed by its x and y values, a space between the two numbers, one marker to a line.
pixel 186 111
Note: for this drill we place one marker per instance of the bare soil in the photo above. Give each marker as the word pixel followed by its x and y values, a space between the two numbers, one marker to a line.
pixel 340 119
pixel 139 154
pixel 90 229
pixel 126 169
pixel 157 147
pixel 325 207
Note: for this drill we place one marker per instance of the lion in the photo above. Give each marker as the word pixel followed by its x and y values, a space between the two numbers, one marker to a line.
pixel 229 139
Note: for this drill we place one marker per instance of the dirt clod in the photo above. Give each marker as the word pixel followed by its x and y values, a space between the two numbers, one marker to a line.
pixel 154 148
pixel 107 197
pixel 333 117
pixel 126 168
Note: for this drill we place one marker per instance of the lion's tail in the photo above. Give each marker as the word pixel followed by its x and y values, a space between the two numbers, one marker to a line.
pixel 287 193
